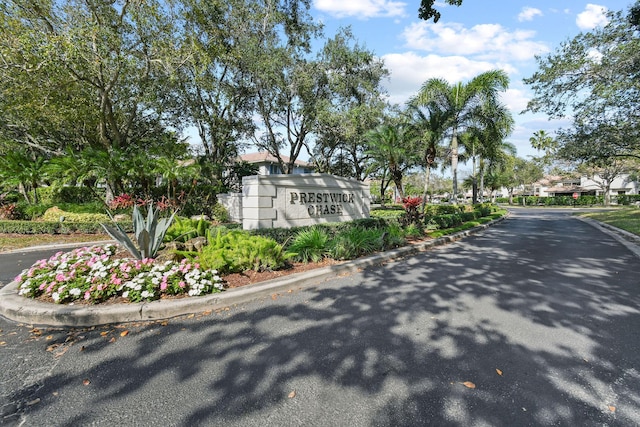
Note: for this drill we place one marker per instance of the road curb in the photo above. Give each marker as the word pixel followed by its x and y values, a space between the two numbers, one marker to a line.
pixel 629 240
pixel 24 310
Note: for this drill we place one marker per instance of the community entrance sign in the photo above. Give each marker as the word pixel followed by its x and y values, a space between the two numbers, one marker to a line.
pixel 270 201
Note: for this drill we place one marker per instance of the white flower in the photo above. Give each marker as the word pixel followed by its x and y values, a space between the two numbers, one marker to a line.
pixel 146 294
pixel 55 296
pixel 75 291
pixel 125 294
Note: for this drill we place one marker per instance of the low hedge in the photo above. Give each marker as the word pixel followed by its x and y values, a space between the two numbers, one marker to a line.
pixel 57 214
pixel 56 227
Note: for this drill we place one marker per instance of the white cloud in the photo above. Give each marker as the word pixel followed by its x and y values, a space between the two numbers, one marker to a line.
pixel 361 9
pixel 409 71
pixel 528 13
pixel 485 41
pixel 515 99
pixel 593 16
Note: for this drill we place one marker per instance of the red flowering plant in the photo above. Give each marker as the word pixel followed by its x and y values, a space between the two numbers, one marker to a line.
pixel 123 202
pixel 411 205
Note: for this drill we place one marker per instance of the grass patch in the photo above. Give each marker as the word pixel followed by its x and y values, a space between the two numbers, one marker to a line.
pixel 627 219
pixel 18 241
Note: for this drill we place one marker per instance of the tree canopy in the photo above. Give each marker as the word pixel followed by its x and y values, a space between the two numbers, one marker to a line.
pixel 593 80
pixel 427 11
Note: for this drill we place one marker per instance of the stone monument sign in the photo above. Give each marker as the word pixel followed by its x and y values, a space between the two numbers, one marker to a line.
pixel 270 201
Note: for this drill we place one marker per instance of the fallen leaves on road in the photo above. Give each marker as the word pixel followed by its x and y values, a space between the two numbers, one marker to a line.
pixel 469 384
pixel 86 381
pixel 498 371
pixel 612 408
pixel 292 394
pixel 124 333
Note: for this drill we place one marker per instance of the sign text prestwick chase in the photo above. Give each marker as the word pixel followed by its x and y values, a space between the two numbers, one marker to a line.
pixel 322 203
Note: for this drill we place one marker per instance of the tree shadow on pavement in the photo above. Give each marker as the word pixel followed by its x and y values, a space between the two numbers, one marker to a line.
pixel 531 323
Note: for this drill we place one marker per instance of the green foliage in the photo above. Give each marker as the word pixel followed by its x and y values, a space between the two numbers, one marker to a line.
pixel 309 245
pixel 57 214
pixel 234 251
pixel 627 199
pixel 184 229
pixel 56 227
pixel 446 220
pixel 427 12
pixel 414 230
pixel 388 213
pixel 443 209
pixel 220 214
pixel 149 232
pixel 356 242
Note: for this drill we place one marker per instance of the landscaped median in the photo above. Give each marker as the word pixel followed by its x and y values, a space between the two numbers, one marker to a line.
pixel 20 309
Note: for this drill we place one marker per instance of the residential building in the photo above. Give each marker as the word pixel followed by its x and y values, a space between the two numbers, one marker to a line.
pixel 268 164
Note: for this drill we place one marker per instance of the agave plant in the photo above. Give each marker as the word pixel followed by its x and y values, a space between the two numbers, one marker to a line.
pixel 148 232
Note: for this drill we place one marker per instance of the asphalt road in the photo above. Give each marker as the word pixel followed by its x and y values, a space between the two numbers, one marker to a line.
pixel 533 322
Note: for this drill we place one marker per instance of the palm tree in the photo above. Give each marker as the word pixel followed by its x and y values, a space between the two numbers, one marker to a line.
pixel 464 104
pixel 390 145
pixel 542 141
pixel 484 141
pixel 429 128
pixel 24 169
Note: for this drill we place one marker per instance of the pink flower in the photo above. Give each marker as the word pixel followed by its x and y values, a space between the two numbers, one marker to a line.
pixel 163 286
pixel 117 281
pixel 42 286
pixel 60 277
pixel 87 295
pixel 182 284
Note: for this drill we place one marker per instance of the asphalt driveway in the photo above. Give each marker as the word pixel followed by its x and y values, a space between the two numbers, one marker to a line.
pixel 533 322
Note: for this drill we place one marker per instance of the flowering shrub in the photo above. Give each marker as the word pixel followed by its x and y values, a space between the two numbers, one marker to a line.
pixel 126 201
pixel 91 274
pixel 411 205
pixel 9 211
pixel 123 201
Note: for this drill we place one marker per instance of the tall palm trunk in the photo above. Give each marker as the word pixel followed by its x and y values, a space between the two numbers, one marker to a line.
pixel 427 178
pixel 454 164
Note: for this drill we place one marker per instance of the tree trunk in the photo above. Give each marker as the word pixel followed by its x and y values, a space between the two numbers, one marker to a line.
pixel 454 164
pixel 427 177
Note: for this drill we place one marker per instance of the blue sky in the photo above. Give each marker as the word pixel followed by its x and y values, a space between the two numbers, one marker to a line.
pixel 478 36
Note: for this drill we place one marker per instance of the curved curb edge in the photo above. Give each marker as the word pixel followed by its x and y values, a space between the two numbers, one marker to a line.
pixel 629 240
pixel 23 310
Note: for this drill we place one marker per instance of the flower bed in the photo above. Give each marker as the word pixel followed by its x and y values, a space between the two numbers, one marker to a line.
pixel 96 274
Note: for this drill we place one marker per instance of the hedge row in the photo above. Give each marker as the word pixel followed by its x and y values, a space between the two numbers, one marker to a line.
pixel 56 227
pixel 621 199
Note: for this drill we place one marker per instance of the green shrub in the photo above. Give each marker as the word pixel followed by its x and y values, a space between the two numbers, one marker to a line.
pixel 432 210
pixel 394 237
pixel 184 229
pixel 413 230
pixel 234 251
pixel 29 227
pixel 57 214
pixel 388 213
pixel 220 214
pixel 29 212
pixel 447 220
pixel 309 245
pixel 356 242
pixel 626 199
pixel 57 227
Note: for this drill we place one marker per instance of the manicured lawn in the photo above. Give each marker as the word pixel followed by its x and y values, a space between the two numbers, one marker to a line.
pixel 627 219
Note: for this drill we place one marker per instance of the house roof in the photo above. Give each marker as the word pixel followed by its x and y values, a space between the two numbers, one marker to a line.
pixel 264 157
